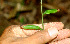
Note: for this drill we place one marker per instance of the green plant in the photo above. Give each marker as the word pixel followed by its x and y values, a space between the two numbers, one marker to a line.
pixel 46 12
pixel 22 3
pixel 22 20
pixel 32 27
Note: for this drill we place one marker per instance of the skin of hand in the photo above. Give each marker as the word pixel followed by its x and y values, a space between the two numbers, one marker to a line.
pixel 53 33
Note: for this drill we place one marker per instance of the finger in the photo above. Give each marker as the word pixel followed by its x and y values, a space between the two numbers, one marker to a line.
pixel 43 36
pixel 64 41
pixel 64 33
pixel 12 31
pixel 58 25
pixel 15 30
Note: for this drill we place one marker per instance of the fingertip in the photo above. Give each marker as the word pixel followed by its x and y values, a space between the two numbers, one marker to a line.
pixel 53 32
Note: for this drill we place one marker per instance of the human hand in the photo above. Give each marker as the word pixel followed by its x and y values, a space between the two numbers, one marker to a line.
pixel 15 35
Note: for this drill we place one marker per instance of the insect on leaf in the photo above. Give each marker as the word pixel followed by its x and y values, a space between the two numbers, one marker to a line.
pixel 50 11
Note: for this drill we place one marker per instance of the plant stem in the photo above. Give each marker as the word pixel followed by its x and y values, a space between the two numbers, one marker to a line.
pixel 42 15
pixel 41 6
pixel 42 22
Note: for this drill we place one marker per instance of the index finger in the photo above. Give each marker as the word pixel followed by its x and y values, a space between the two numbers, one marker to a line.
pixel 15 30
pixel 58 25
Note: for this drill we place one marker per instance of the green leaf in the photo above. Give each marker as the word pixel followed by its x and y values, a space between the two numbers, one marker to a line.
pixel 17 15
pixel 22 20
pixel 22 3
pixel 32 27
pixel 50 11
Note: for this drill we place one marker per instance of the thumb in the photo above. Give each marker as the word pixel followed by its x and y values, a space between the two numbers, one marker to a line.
pixel 43 36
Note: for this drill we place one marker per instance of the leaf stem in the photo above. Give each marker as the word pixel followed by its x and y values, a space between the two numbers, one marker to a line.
pixel 42 22
pixel 42 15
